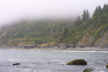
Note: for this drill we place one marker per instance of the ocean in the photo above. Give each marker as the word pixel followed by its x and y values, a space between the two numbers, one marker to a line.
pixel 51 60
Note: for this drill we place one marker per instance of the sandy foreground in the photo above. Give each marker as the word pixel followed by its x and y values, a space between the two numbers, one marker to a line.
pixel 66 49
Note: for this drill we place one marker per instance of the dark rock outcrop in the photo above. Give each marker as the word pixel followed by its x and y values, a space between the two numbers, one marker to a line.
pixel 27 47
pixel 87 70
pixel 16 64
pixel 77 62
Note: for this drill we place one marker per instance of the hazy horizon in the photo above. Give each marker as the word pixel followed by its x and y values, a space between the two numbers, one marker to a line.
pixel 12 10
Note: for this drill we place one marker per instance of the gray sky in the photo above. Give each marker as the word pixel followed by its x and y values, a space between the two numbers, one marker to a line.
pixel 11 10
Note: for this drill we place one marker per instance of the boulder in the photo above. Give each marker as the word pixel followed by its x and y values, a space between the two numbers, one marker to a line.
pixel 16 64
pixel 107 66
pixel 77 62
pixel 87 70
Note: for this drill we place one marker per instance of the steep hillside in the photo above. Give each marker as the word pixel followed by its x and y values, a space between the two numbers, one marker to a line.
pixel 33 32
pixel 86 32
pixel 92 32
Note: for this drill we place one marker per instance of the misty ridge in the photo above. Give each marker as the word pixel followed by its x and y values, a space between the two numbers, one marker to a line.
pixel 44 20
pixel 31 20
pixel 18 10
pixel 28 19
pixel 55 29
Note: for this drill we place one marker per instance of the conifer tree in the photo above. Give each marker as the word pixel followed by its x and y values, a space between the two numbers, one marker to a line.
pixel 97 11
pixel 105 9
pixel 77 21
pixel 85 15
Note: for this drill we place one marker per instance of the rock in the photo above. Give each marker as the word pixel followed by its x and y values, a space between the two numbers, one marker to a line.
pixel 77 62
pixel 107 66
pixel 87 70
pixel 16 64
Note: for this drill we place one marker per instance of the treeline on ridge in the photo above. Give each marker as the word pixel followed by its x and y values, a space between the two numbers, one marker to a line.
pixel 86 28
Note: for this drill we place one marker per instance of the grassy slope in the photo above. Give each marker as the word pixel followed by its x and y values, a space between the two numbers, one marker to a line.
pixel 33 32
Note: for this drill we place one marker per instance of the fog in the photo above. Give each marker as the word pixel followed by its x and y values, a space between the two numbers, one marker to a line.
pixel 11 10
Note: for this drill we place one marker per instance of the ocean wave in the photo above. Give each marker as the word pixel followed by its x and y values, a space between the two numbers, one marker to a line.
pixel 74 51
pixel 79 51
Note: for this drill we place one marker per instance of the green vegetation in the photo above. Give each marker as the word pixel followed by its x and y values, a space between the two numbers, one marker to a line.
pixel 95 26
pixel 33 32
pixel 54 32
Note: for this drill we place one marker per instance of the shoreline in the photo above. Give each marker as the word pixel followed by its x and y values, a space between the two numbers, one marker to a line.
pixel 77 49
pixel 66 49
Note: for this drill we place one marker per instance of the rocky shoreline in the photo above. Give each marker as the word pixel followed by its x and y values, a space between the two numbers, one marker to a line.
pixel 61 49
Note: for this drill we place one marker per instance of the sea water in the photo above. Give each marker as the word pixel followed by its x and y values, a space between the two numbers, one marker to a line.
pixel 51 60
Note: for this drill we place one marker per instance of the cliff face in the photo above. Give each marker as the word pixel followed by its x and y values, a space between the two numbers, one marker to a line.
pixel 102 42
pixel 87 41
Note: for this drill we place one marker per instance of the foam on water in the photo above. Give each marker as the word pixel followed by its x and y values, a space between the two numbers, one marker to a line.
pixel 80 51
